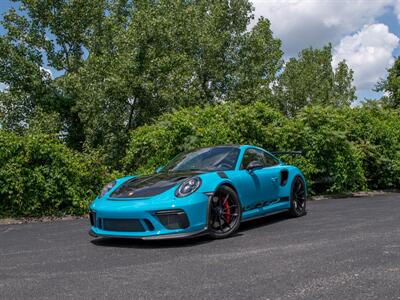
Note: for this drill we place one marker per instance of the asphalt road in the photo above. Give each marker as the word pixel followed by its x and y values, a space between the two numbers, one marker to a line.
pixel 342 249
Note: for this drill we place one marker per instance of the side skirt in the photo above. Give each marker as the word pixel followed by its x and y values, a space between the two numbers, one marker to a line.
pixel 266 215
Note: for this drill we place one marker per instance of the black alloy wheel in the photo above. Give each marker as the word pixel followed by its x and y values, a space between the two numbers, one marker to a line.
pixel 225 213
pixel 298 197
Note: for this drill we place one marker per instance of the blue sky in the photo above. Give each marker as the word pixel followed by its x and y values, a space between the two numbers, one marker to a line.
pixel 363 32
pixel 4 6
pixel 391 20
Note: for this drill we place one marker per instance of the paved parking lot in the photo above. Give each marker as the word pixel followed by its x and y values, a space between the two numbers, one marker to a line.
pixel 342 249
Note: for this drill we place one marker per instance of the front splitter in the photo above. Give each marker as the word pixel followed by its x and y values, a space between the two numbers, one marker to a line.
pixel 154 237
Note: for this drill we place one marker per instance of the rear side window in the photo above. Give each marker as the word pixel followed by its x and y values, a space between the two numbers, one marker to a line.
pixel 269 160
pixel 253 154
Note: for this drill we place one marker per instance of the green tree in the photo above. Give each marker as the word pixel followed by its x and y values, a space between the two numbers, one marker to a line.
pixel 391 86
pixel 166 55
pixel 125 62
pixel 55 33
pixel 310 79
pixel 259 61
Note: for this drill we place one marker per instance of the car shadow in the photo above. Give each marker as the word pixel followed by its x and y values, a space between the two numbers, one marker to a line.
pixel 138 243
pixel 187 242
pixel 263 221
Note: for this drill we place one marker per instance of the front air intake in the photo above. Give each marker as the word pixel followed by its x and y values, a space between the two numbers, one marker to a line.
pixel 126 225
pixel 173 219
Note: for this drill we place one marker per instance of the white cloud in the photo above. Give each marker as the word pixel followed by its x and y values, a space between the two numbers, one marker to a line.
pixel 369 52
pixel 304 23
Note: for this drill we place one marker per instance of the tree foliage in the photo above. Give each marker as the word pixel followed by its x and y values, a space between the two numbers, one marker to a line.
pixel 391 86
pixel 123 62
pixel 120 64
pixel 40 176
pixel 345 149
pixel 310 79
pixel 172 54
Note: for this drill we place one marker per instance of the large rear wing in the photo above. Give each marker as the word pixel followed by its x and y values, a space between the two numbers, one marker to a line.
pixel 287 153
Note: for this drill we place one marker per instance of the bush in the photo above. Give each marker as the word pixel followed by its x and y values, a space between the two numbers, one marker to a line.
pixel 376 133
pixel 331 162
pixel 346 149
pixel 153 145
pixel 40 176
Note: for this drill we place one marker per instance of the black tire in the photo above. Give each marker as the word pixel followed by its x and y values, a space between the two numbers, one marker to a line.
pixel 298 198
pixel 225 213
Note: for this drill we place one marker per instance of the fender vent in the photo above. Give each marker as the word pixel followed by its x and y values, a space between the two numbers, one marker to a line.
pixel 284 177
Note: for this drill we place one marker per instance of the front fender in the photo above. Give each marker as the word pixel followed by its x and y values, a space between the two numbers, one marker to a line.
pixel 211 182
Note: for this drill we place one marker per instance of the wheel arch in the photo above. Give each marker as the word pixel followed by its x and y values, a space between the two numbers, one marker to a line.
pixel 294 212
pixel 230 185
pixel 293 172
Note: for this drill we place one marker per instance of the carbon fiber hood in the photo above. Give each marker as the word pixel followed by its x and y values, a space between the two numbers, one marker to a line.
pixel 152 185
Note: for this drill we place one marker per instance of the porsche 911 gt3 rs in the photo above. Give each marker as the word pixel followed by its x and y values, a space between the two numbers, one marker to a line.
pixel 208 190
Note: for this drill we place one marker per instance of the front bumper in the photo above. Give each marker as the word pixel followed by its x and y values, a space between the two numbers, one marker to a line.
pixel 145 213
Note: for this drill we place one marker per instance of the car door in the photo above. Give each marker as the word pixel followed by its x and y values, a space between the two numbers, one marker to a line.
pixel 259 186
pixel 272 173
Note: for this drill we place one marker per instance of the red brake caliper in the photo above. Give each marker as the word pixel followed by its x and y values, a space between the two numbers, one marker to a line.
pixel 227 209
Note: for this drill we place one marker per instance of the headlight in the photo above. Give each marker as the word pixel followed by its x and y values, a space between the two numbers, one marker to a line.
pixel 107 188
pixel 188 186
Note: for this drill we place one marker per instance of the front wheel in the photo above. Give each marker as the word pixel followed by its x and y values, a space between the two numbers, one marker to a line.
pixel 225 213
pixel 298 197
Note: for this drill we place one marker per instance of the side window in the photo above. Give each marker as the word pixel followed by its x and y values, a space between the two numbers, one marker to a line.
pixel 269 160
pixel 252 155
pixel 255 154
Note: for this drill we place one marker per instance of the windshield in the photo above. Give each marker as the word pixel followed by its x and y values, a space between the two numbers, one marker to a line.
pixel 205 159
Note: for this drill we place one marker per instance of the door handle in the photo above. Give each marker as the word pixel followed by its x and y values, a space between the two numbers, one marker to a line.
pixel 274 179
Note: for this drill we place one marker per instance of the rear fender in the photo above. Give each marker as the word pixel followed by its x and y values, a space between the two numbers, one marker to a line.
pixel 293 171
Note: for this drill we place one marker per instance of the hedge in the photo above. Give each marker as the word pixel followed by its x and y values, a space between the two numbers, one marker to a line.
pixel 346 149
pixel 41 176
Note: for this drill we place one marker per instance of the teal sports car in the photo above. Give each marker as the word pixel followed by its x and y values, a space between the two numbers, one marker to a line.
pixel 209 190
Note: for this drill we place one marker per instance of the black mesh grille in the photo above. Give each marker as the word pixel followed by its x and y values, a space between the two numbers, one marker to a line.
pixel 132 225
pixel 173 219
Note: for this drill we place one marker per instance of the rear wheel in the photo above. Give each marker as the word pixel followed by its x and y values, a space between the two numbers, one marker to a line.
pixel 225 213
pixel 298 197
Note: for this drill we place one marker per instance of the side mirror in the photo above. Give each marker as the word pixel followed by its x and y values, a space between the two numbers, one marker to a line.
pixel 159 169
pixel 253 165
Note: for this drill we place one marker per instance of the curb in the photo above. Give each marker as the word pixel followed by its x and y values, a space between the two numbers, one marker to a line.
pixel 355 195
pixel 15 221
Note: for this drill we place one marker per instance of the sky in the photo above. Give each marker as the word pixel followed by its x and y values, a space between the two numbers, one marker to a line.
pixel 365 33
